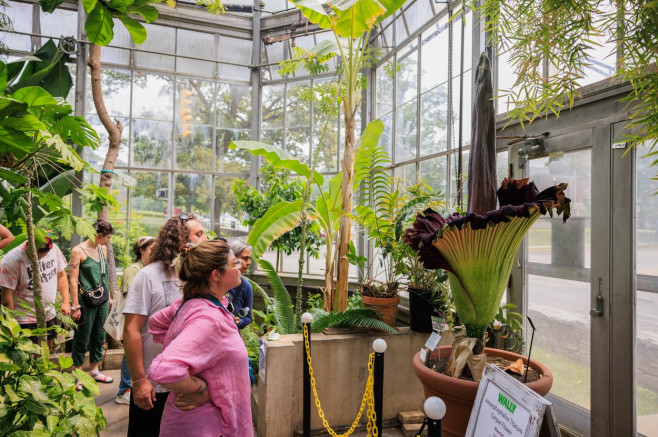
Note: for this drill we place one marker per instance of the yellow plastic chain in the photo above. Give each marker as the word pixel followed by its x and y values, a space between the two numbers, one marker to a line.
pixel 368 397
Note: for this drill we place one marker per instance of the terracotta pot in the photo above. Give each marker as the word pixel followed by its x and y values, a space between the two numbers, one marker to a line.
pixel 387 307
pixel 459 394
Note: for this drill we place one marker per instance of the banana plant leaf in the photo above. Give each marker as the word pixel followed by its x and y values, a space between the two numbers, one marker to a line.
pixel 277 157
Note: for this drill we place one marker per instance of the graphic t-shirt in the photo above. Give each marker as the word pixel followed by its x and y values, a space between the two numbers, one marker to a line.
pixel 151 291
pixel 16 274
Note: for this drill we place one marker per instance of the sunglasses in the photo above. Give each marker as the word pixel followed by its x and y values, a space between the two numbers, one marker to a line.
pixel 184 217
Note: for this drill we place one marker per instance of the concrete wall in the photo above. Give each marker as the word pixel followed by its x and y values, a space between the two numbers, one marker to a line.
pixel 340 365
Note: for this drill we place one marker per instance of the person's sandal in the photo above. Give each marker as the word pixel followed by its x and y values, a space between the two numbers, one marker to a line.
pixel 101 377
pixel 78 385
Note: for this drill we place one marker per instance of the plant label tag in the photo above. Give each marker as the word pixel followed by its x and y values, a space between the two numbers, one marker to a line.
pixel 423 355
pixel 438 324
pixel 433 341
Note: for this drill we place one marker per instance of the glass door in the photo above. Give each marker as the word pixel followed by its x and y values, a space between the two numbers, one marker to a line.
pixel 646 311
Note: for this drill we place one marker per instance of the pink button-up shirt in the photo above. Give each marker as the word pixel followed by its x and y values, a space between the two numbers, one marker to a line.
pixel 203 340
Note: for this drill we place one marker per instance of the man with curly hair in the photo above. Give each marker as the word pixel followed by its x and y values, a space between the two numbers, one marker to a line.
pixel 154 288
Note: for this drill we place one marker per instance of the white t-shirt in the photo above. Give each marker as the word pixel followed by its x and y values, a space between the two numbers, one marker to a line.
pixel 16 274
pixel 151 291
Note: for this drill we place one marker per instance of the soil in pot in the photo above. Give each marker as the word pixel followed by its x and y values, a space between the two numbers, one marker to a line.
pixel 440 364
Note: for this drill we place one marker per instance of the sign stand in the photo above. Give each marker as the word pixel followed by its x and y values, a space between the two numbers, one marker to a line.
pixel 504 407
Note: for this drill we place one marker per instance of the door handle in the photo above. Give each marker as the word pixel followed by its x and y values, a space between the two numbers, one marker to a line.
pixel 598 311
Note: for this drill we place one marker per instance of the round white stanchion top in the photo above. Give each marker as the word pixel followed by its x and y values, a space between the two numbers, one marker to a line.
pixel 379 346
pixel 307 318
pixel 435 408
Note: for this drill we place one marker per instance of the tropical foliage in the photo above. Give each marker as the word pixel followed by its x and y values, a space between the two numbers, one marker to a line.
pixel 36 398
pixel 557 37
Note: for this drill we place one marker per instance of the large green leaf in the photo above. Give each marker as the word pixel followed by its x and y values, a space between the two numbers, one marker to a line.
pixel 277 157
pixel 68 154
pixel 9 106
pixel 3 75
pixel 278 220
pixel 25 123
pixel 47 68
pixel 283 314
pixel 35 96
pixel 147 11
pixel 136 29
pixel 15 141
pixel 12 176
pixel 329 204
pixel 89 5
pixel 50 5
pixel 355 17
pixel 99 25
pixel 78 130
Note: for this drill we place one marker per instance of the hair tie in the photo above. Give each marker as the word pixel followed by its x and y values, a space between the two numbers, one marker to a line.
pixel 185 249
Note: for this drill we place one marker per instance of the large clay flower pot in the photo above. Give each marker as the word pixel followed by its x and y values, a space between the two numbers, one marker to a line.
pixel 387 307
pixel 459 394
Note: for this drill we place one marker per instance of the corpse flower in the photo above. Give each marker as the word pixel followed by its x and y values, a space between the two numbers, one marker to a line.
pixel 478 251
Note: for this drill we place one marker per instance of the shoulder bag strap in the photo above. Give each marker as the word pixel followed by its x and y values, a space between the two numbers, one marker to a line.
pixel 101 258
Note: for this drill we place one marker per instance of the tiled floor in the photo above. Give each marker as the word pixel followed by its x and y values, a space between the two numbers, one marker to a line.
pixel 117 415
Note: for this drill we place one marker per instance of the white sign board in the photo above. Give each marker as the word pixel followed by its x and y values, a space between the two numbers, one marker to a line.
pixel 504 407
pixel 433 342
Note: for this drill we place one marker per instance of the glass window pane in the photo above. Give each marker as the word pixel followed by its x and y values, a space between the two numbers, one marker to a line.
pixel 116 92
pixel 384 91
pixel 234 72
pixel 152 96
pixel 151 143
pixel 406 132
pixel 418 14
pixel 298 104
pixel 407 174
pixel 198 44
pixel 434 54
pixel 237 51
pixel 328 154
pixel 454 171
pixel 400 29
pixel 272 110
pixel 194 147
pixel 434 123
pixel 549 241
pixel 275 53
pixel 160 41
pixel 297 143
pixel 234 106
pixel 467 108
pixel 194 101
pixel 433 171
pixel 20 15
pixel 227 217
pixel 193 193
pixel 386 140
pixel 273 137
pixel 407 76
pixel 196 67
pixel 502 167
pixel 456 54
pixel 646 256
pixel 148 201
pixel 97 157
pixel 228 160
pixel 58 23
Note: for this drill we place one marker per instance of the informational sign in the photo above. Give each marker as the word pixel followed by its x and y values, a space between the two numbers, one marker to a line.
pixel 504 407
pixel 433 341
pixel 262 360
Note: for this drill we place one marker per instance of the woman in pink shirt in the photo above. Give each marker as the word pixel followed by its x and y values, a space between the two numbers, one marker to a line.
pixel 203 351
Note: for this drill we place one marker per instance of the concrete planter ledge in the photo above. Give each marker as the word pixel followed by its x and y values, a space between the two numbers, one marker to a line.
pixel 340 366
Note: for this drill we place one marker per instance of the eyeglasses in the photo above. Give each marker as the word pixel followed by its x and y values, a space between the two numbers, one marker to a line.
pixel 235 262
pixel 183 218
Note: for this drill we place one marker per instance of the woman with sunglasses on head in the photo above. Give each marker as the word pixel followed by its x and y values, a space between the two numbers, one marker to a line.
pixel 142 250
pixel 203 351
pixel 90 295
pixel 16 283
pixel 241 298
pixel 155 287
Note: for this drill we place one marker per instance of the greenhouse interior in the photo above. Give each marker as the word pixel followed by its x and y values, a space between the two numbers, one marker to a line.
pixel 357 162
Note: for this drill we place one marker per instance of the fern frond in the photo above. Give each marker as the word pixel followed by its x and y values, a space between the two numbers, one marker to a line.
pixel 283 315
pixel 358 317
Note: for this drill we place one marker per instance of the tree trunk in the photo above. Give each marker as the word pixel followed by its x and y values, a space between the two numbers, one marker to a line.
pixel 114 130
pixel 39 310
pixel 340 298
